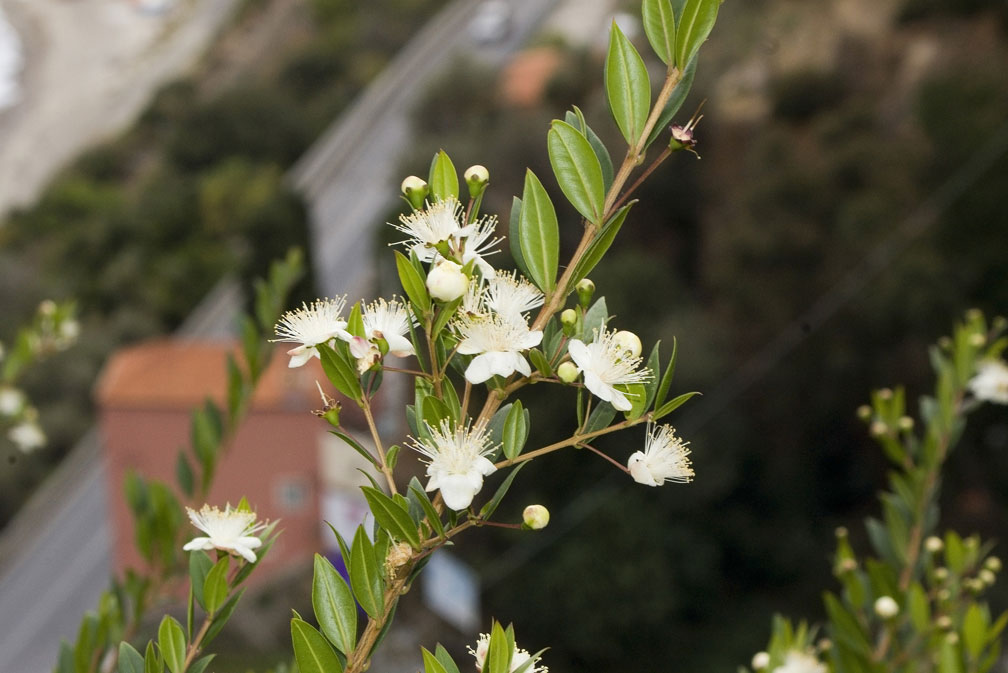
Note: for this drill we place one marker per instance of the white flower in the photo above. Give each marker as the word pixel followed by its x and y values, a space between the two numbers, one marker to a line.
pixel 991 382
pixel 367 353
pixel 446 281
pixel 478 243
pixel 801 662
pixel 389 320
pixel 27 436
pixel 458 461
pixel 518 657
pixel 437 223
pixel 664 458
pixel 12 401
pixel 310 326
pixel 512 295
pixel 886 607
pixel 605 364
pixel 231 531
pixel 497 342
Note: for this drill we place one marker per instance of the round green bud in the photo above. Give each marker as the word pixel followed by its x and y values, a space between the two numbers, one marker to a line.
pixel 568 320
pixel 585 290
pixel 535 517
pixel 477 178
pixel 905 423
pixel 415 190
pixel 567 372
pixel 993 563
pixel 987 577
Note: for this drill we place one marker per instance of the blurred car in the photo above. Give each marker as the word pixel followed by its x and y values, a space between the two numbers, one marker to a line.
pixel 491 23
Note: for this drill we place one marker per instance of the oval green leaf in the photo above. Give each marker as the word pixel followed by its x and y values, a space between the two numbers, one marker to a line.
pixel 172 642
pixel 695 25
pixel 659 26
pixel 538 233
pixel 334 606
pixel 627 85
pixel 443 177
pixel 577 169
pixel 390 516
pixel 413 282
pixel 366 575
pixel 313 653
pixel 215 589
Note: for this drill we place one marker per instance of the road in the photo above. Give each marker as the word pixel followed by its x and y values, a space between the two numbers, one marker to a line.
pixel 348 177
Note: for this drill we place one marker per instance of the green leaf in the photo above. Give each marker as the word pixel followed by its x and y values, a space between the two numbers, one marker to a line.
pixel 636 393
pixel 595 319
pixel 355 322
pixel 666 379
pixel 153 663
pixel 627 85
pixel 435 411
pixel 334 606
pixel 495 428
pixel 673 404
pixel 659 26
pixel 442 655
pixel 576 119
pixel 172 642
pixel 340 372
pixel 199 565
pixel 215 590
pixel 184 474
pixel 538 233
pixel 390 516
pixel 443 177
pixel 540 362
pixel 130 661
pixel 366 575
pixel 313 653
pixel 514 226
pixel 516 429
pixel 200 664
pixel 974 630
pixel 224 614
pixel 695 25
pixel 489 508
pixel 651 385
pixel 600 244
pixel 601 416
pixel 445 313
pixel 431 663
pixel 498 658
pixel 919 608
pixel 577 169
pixel 413 283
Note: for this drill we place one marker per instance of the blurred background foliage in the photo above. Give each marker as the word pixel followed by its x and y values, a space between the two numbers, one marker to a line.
pixel 812 180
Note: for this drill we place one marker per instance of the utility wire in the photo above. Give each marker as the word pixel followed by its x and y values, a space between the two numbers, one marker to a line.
pixel 879 259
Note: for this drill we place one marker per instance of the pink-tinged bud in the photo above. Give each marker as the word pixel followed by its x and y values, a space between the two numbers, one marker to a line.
pixel 536 517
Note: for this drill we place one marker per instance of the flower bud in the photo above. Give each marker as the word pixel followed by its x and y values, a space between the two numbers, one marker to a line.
pixel 977 339
pixel 951 637
pixel 886 607
pixel 943 595
pixel 585 290
pixel 941 574
pixel 885 393
pixel 944 622
pixel 477 178
pixel 567 372
pixel 535 517
pixel 993 563
pixel 878 429
pixel 934 544
pixel 446 282
pixel 628 341
pixel 840 532
pixel 905 423
pixel 760 661
pixel 568 319
pixel 864 412
pixel 848 565
pixel 987 577
pixel 415 190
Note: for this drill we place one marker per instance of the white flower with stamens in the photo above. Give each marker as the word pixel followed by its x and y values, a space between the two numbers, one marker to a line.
pixel 478 244
pixel 512 295
pixel 231 531
pixel 605 364
pixel 991 382
pixel 389 320
pixel 457 461
pixel 497 342
pixel 518 657
pixel 319 323
pixel 437 223
pixel 665 458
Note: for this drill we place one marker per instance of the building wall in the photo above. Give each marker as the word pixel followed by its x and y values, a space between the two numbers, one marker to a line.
pixel 273 462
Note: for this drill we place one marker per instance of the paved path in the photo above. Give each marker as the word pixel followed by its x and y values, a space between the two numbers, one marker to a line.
pixel 91 67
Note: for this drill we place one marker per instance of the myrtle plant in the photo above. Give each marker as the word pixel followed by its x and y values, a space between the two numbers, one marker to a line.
pixel 52 329
pixel 477 334
pixel 917 602
pixel 232 534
